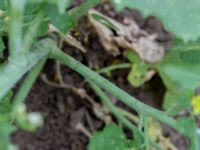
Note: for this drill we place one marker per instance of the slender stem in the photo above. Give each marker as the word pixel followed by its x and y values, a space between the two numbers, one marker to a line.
pixel 32 31
pixel 141 123
pixel 119 114
pixel 155 145
pixel 146 139
pixel 113 89
pixel 114 67
pixel 15 26
pixel 28 82
pixel 129 115
pixel 114 110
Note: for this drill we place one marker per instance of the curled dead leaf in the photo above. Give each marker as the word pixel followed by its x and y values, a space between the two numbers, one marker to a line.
pixel 128 36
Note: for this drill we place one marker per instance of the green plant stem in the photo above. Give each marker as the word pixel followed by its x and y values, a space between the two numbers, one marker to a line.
pixel 15 27
pixel 13 70
pixel 114 67
pixel 155 145
pixel 113 89
pixel 119 112
pixel 28 82
pixel 32 31
pixel 129 115
pixel 114 110
pixel 141 122
pixel 146 139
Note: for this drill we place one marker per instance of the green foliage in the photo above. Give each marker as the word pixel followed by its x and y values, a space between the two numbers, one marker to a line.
pixel 1 20
pixel 62 21
pixel 180 75
pixel 6 128
pixel 2 4
pixel 30 14
pixel 179 17
pixel 137 75
pixel 61 4
pixel 187 126
pixel 6 107
pixel 176 101
pixel 25 24
pixel 111 138
pixel 191 56
pixel 139 69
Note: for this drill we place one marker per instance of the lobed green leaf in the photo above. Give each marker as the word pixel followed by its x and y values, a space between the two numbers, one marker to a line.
pixel 179 17
pixel 111 138
pixel 180 74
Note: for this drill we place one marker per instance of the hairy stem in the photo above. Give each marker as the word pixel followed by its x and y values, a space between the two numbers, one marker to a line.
pixel 113 89
pixel 15 26
pixel 114 67
pixel 28 82
pixel 138 135
pixel 13 70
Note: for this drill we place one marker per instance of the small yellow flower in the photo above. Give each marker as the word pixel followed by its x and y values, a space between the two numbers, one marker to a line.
pixel 196 105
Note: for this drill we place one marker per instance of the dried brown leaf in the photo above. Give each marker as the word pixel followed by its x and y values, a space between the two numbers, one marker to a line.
pixel 128 36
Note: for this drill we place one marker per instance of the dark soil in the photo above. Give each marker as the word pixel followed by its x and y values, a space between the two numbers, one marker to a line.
pixel 63 109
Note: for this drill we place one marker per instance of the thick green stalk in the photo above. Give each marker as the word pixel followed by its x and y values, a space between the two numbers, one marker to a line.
pixel 113 89
pixel 13 70
pixel 15 26
pixel 28 82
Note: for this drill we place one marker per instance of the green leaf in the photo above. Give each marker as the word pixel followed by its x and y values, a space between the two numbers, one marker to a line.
pixel 139 70
pixel 31 13
pixel 1 20
pixel 83 9
pixel 187 126
pixel 111 138
pixel 6 107
pixel 181 17
pixel 2 4
pixel 176 102
pixel 191 56
pixel 61 21
pixel 180 76
pixel 6 128
pixel 137 76
pixel 63 4
pixel 64 22
pixel 132 57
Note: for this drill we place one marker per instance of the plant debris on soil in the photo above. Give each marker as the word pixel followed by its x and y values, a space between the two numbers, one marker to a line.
pixel 69 118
